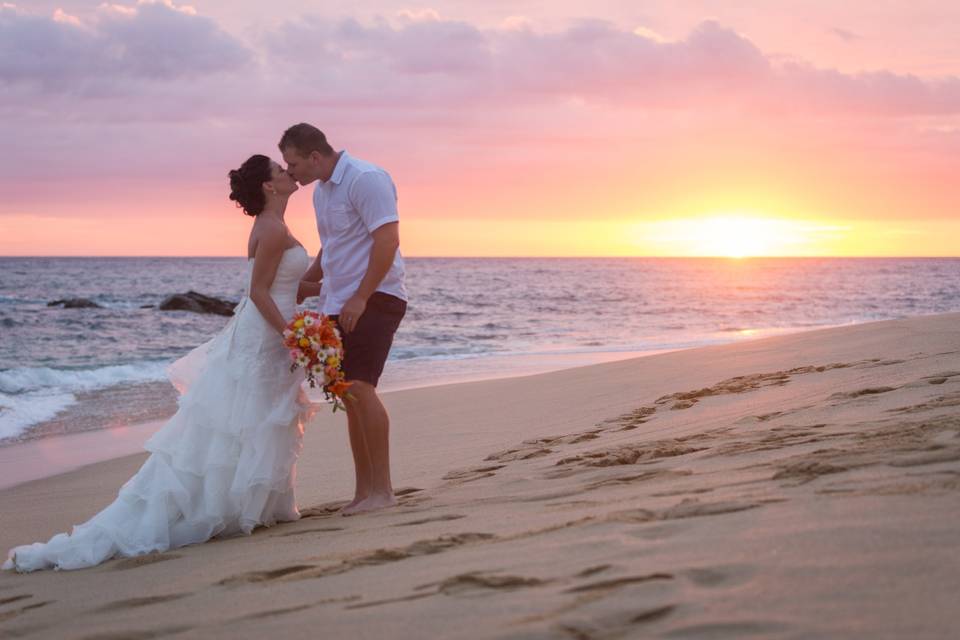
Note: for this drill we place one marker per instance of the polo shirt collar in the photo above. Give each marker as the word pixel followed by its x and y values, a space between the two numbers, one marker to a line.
pixel 341 166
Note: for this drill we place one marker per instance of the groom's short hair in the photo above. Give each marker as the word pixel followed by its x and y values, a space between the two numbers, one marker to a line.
pixel 305 138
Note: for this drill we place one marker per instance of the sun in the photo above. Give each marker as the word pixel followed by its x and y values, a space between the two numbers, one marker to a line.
pixel 734 236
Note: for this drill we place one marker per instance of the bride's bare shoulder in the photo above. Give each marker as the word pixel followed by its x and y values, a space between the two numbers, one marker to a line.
pixel 268 233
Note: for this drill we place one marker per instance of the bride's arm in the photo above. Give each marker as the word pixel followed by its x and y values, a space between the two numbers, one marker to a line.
pixel 270 250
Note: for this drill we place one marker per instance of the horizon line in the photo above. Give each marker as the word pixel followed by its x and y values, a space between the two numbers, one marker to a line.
pixel 520 257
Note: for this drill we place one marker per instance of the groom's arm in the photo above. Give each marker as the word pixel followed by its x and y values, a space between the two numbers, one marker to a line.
pixel 310 282
pixel 386 241
pixel 374 196
pixel 315 272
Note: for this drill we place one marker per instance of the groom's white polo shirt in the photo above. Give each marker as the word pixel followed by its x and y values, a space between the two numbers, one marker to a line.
pixel 358 199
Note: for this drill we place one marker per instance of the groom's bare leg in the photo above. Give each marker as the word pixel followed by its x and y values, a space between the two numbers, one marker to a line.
pixel 361 459
pixel 374 422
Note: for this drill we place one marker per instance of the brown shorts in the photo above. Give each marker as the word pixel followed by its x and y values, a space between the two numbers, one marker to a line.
pixel 365 349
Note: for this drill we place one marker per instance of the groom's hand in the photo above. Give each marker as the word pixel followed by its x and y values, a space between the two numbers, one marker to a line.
pixel 307 290
pixel 351 312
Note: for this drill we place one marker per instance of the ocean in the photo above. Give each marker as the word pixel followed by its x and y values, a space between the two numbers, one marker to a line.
pixel 70 370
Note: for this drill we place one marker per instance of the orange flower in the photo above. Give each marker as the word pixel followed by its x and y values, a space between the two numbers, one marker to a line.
pixel 339 388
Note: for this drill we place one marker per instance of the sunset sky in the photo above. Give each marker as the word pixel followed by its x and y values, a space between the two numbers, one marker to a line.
pixel 613 127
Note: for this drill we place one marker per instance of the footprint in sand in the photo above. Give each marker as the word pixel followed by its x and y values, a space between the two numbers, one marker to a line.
pixel 144 634
pixel 687 508
pixel 720 576
pixel 308 531
pixel 468 583
pixel 476 473
pixel 377 603
pixel 465 584
pixel 631 454
pixel 374 558
pixel 133 603
pixel 592 571
pixel 941 378
pixel 807 471
pixel 618 625
pixel 443 518
pixel 520 453
pixel 329 509
pixel 616 583
pixel 631 479
pixel 871 391
pixel 741 384
pixel 279 612
pixel 940 402
pixel 275 612
pixel 745 629
pixel 632 420
pixel 142 561
pixel 877 362
pixel 264 576
pixel 325 510
pixel 9 615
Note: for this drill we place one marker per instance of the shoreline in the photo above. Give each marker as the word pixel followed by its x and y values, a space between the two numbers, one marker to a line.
pixel 795 486
pixel 27 461
pixel 50 456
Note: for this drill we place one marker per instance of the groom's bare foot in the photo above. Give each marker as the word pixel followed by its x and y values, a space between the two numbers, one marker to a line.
pixel 353 503
pixel 374 502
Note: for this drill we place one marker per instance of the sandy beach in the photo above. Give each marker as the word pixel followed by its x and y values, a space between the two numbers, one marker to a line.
pixel 800 486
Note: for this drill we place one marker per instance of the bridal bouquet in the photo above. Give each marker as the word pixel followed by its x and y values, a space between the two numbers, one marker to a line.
pixel 315 345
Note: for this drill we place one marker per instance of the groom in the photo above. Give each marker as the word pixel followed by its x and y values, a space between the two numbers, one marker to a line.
pixel 362 273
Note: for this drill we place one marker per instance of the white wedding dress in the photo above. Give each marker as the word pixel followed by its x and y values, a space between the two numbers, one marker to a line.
pixel 223 464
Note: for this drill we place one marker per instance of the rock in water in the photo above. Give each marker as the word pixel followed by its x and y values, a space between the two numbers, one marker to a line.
pixel 75 303
pixel 198 303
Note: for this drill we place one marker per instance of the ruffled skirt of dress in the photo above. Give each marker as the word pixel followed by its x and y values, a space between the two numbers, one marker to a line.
pixel 223 464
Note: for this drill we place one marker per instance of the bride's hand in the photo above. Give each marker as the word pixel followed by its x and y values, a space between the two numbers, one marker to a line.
pixel 307 290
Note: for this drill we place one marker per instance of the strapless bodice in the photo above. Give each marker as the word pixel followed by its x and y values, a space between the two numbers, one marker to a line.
pixel 293 264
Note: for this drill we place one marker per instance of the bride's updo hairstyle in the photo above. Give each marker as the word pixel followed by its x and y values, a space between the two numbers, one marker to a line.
pixel 246 184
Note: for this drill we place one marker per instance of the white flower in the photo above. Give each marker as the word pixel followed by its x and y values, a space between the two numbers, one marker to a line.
pixel 317 370
pixel 299 333
pixel 287 334
pixel 308 321
pixel 302 361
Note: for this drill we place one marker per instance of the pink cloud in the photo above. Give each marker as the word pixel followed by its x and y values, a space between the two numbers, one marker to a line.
pixel 453 63
pixel 150 41
pixel 160 96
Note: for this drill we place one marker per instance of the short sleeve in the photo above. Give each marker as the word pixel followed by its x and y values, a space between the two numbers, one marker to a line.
pixel 374 196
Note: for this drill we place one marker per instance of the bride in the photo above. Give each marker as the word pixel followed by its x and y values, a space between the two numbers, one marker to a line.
pixel 225 462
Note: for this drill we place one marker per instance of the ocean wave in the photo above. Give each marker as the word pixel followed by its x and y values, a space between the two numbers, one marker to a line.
pixel 19 412
pixel 21 380
pixel 20 301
